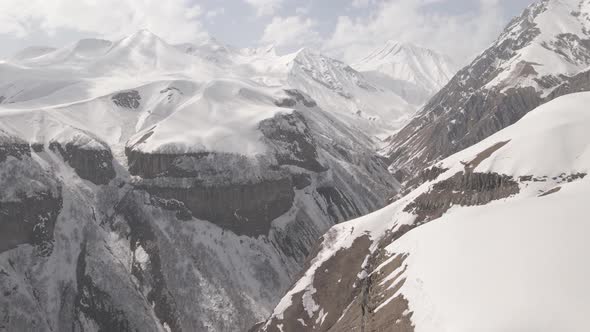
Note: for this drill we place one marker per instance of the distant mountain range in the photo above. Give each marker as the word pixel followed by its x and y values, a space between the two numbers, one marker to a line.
pixel 420 72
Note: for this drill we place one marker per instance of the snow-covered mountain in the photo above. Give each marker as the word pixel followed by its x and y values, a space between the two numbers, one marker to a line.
pixel 416 73
pixel 351 96
pixel 157 187
pixel 32 52
pixel 374 107
pixel 542 54
pixel 493 240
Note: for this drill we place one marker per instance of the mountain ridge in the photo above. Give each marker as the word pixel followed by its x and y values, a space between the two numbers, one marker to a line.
pixel 501 85
pixel 408 62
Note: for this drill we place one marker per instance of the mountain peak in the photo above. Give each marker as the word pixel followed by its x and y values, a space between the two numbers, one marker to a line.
pixel 551 33
pixel 396 44
pixel 269 49
pixel 142 36
pixel 408 62
pixel 393 49
pixel 144 32
pixel 306 52
pixel 542 54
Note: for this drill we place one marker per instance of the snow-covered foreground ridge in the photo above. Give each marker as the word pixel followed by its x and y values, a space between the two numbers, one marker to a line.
pixel 509 256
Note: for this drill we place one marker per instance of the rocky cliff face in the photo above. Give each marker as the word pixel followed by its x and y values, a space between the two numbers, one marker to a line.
pixel 94 165
pixel 30 200
pixel 531 63
pixel 245 194
pixel 245 209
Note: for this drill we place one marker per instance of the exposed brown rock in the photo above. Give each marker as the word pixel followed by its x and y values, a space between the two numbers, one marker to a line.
pixel 465 189
pixel 470 166
pixel 375 310
pixel 296 97
pixel 336 285
pixel 291 138
pixel 550 192
pixel 440 133
pixel 350 298
pixel 426 175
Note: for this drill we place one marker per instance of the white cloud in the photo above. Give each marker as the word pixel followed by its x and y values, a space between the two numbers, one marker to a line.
pixel 215 12
pixel 302 10
pixel 458 35
pixel 265 7
pixel 362 3
pixel 174 20
pixel 292 31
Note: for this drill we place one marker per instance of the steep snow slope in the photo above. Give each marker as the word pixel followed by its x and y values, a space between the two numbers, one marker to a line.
pixel 542 54
pixel 76 53
pixel 504 251
pixel 426 70
pixel 512 266
pixel 32 52
pixel 332 83
pixel 229 112
pixel 559 30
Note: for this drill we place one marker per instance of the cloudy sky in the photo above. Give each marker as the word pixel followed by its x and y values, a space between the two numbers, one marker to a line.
pixel 345 29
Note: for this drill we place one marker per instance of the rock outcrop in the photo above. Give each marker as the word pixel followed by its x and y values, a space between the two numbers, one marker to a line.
pixel 292 141
pixel 244 194
pixel 129 99
pixel 30 202
pixel 29 220
pixel 94 164
pixel 464 189
pixel 245 209
pixel 11 146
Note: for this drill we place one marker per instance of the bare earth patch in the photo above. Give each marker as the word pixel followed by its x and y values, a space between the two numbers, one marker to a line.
pixel 470 166
pixel 549 192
